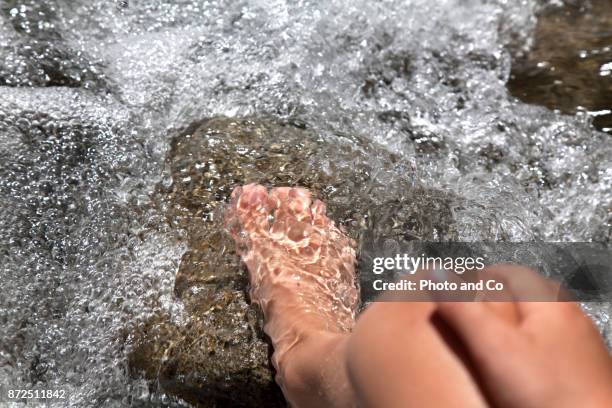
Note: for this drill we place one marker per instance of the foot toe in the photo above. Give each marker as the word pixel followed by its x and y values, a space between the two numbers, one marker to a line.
pixel 318 210
pixel 251 204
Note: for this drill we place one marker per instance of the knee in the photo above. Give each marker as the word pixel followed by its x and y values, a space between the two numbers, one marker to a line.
pixel 382 327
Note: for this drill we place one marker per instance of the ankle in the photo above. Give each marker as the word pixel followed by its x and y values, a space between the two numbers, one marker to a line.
pixel 313 371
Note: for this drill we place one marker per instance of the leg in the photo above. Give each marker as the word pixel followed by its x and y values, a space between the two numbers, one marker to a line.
pixel 302 275
pixel 301 269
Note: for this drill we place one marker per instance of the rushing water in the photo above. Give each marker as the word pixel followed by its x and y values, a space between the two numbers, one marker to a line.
pixel 93 90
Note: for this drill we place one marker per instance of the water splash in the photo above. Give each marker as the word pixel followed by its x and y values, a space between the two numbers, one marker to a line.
pixel 90 93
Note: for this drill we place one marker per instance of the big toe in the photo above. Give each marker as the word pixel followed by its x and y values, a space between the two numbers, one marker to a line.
pixel 250 205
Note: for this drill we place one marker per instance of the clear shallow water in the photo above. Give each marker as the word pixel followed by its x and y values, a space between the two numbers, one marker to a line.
pixel 570 64
pixel 91 91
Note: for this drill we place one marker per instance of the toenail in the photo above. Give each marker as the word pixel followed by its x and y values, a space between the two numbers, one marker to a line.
pixel 296 233
pixel 251 198
pixel 296 206
pixel 242 202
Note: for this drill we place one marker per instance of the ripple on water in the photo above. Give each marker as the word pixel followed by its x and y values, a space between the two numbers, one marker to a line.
pixel 385 94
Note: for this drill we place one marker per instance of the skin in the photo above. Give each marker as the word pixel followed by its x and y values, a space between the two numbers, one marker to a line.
pixel 552 356
pixel 399 354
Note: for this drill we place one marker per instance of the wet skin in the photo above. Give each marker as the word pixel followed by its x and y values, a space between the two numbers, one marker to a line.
pixel 397 354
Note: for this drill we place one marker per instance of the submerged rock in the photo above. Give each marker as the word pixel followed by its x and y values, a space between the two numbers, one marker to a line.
pixel 219 356
pixel 569 67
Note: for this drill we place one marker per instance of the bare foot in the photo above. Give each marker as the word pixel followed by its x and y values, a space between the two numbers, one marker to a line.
pixel 301 268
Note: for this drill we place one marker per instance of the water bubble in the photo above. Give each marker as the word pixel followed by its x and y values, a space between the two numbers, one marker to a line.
pixel 89 96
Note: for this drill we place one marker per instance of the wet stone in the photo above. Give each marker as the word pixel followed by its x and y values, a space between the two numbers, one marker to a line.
pixel 569 67
pixel 220 356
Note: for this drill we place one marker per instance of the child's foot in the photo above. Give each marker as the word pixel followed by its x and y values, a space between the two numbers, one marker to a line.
pixel 301 266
